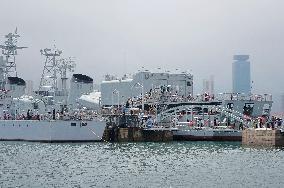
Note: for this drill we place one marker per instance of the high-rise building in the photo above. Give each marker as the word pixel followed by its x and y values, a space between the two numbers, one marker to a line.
pixel 2 71
pixel 205 86
pixel 212 89
pixel 208 85
pixel 241 74
pixel 29 87
pixel 282 102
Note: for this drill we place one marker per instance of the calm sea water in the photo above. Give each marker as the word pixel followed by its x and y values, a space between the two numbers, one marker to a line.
pixel 174 164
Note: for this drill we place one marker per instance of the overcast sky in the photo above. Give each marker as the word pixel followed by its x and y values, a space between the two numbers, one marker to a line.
pixel 121 36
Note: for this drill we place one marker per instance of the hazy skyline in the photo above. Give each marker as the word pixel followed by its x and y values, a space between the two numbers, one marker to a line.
pixel 121 36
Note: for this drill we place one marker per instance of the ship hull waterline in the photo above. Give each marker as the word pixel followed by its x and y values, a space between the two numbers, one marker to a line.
pixel 203 135
pixel 51 131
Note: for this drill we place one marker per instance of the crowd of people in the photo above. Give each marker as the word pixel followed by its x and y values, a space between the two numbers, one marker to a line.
pixel 51 115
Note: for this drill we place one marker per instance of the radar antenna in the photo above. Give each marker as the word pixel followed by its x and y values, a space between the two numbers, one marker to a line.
pixel 48 81
pixel 9 50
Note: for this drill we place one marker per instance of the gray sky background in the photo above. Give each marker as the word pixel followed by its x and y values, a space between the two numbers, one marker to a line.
pixel 121 36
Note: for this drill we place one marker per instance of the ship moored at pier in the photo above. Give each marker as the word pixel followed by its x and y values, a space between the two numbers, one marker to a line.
pixel 171 104
pixel 51 114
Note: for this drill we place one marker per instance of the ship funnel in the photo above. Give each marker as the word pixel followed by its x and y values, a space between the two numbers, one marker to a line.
pixel 80 85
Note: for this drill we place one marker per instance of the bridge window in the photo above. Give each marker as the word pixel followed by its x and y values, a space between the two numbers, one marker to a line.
pixel 188 83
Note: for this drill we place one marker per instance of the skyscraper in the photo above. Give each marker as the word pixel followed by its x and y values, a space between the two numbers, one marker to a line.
pixel 29 87
pixel 208 85
pixel 2 71
pixel 241 74
pixel 282 102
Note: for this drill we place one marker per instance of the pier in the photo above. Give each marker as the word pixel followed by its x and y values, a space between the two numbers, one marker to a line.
pixel 137 134
pixel 263 137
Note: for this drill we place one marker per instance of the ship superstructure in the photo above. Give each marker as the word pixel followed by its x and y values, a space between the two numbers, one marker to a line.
pixel 116 91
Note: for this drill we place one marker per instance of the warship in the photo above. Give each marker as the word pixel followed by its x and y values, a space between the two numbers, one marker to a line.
pixel 50 114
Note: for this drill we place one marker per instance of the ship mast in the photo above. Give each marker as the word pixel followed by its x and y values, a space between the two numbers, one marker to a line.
pixel 9 50
pixel 48 81
pixel 64 65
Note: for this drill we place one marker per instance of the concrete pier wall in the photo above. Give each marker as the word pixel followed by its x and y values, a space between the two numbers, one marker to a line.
pixel 136 134
pixel 264 137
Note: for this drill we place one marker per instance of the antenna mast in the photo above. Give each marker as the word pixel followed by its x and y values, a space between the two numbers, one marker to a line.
pixel 48 81
pixel 64 65
pixel 9 50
